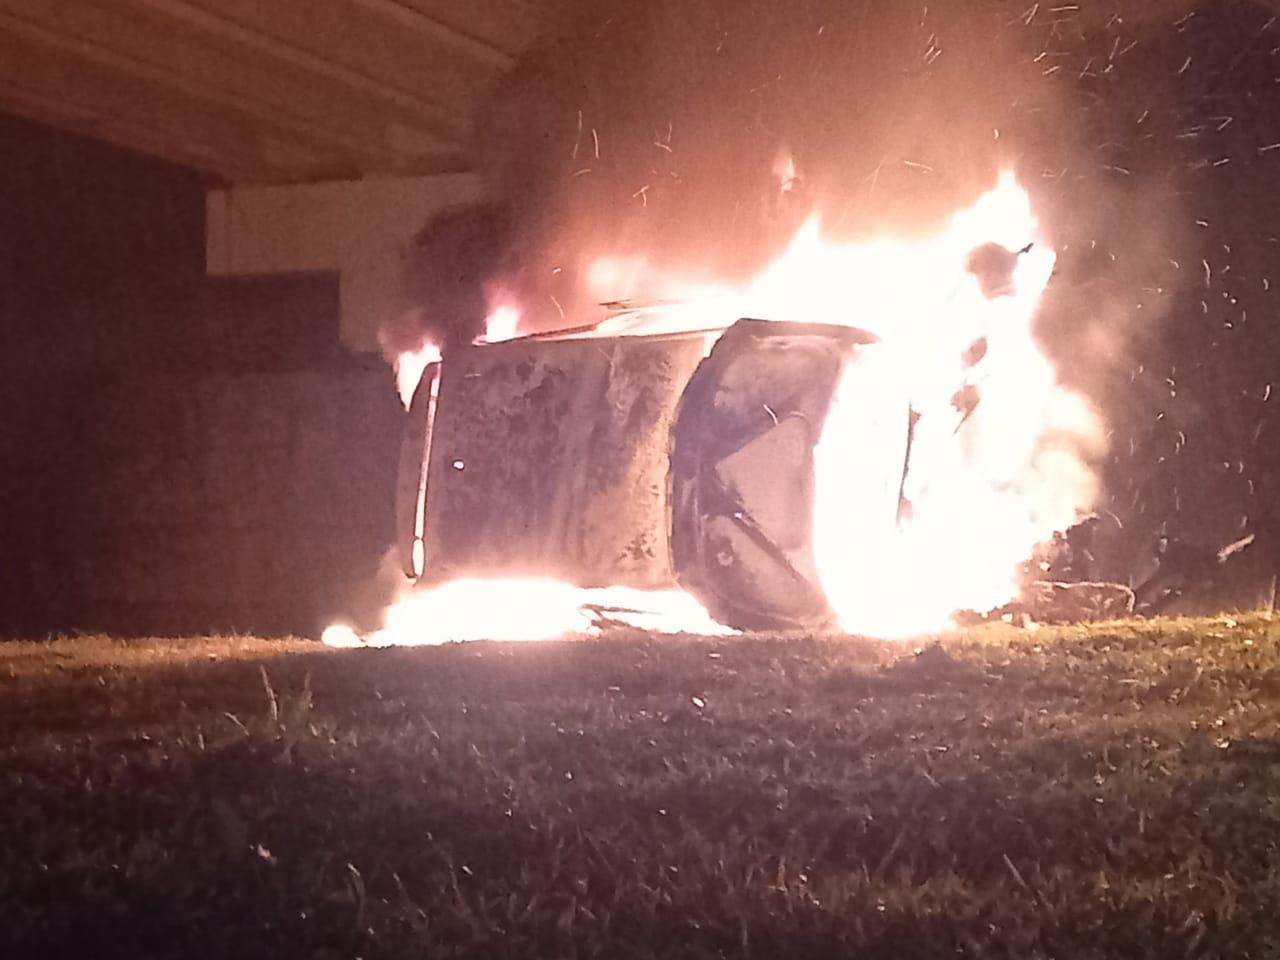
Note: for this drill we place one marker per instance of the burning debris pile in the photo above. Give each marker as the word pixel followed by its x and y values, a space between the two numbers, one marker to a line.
pixel 827 167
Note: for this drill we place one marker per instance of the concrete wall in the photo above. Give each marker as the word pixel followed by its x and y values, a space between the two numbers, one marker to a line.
pixel 177 453
pixel 357 228
pixel 256 502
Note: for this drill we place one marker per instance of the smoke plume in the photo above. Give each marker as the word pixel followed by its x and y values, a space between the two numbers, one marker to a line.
pixel 696 136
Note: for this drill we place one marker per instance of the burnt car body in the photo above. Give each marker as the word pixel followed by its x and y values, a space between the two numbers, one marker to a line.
pixel 643 460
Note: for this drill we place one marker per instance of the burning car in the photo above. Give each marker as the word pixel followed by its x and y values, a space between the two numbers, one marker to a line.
pixel 885 451
pixel 647 461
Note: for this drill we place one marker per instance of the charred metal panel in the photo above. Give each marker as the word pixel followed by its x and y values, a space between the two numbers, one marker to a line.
pixel 550 458
pixel 742 480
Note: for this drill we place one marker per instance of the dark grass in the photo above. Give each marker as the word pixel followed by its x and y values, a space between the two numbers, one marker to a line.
pixel 1107 791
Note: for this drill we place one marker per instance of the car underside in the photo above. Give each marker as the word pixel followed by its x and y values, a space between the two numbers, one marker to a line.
pixel 649 460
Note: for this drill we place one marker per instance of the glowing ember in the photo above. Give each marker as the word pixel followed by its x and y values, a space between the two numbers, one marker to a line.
pixel 784 170
pixel 1000 452
pixel 409 368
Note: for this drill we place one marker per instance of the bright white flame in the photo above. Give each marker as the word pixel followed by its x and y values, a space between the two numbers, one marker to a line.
pixel 409 368
pixel 534 608
pixel 340 635
pixel 985 487
pixel 503 323
pixel 986 483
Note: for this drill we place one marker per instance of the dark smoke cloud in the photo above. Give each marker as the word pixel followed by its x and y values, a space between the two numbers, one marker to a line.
pixel 450 266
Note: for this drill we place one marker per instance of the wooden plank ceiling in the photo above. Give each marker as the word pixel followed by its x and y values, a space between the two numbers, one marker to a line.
pixel 265 91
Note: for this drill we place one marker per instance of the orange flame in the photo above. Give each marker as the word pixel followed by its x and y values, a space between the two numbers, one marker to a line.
pixel 409 368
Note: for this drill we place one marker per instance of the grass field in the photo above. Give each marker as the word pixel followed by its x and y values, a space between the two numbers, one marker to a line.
pixel 1106 791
